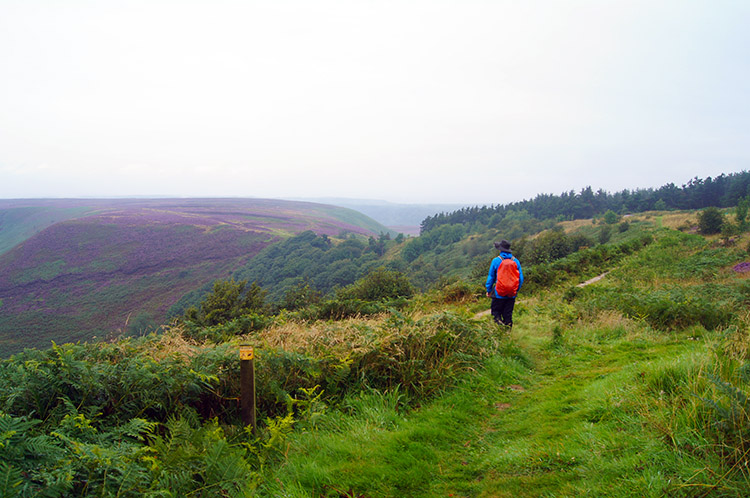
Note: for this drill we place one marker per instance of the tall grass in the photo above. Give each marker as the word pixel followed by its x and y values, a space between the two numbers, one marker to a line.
pixel 157 413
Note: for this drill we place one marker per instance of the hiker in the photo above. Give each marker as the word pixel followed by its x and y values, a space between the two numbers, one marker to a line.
pixel 503 282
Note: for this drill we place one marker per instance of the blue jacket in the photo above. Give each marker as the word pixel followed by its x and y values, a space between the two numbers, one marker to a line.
pixel 492 276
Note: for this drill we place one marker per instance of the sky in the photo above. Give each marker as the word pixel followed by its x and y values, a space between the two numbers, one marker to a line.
pixel 409 101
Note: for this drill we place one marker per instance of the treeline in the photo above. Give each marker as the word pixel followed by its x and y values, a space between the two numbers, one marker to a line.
pixel 514 225
pixel 722 191
pixel 290 270
pixel 309 259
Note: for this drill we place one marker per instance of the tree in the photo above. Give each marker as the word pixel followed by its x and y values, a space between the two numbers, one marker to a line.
pixel 742 208
pixel 377 246
pixel 728 231
pixel 549 246
pixel 610 218
pixel 710 221
pixel 227 301
pixel 380 284
pixel 300 297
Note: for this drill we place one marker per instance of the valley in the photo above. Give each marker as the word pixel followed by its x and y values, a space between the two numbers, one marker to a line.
pixel 105 268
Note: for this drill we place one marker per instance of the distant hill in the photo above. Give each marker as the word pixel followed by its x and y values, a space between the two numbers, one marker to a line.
pixel 400 218
pixel 74 269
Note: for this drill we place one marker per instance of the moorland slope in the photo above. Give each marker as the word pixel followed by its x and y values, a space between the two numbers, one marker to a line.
pixel 75 269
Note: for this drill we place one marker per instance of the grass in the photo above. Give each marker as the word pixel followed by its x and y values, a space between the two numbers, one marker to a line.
pixel 576 430
pixel 592 404
pixel 373 447
pixel 540 419
pixel 577 400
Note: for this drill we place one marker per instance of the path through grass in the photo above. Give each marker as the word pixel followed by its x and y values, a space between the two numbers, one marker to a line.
pixel 562 417
pixel 576 429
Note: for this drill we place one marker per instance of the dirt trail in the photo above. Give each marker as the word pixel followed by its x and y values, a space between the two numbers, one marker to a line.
pixel 591 281
pixel 481 314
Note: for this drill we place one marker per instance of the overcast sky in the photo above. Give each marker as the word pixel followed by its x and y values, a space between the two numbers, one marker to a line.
pixel 462 101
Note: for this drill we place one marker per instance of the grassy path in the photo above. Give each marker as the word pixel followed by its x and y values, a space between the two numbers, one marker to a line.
pixel 543 419
pixel 575 427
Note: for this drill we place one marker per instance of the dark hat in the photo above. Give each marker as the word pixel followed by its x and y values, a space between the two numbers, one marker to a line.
pixel 503 245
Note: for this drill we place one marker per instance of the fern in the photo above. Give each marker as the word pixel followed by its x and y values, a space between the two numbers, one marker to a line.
pixel 15 443
pixel 739 403
pixel 136 428
pixel 40 446
pixel 10 480
pixel 197 460
pixel 731 418
pixel 30 465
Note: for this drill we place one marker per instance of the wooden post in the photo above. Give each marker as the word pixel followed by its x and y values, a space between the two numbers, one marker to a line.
pixel 247 386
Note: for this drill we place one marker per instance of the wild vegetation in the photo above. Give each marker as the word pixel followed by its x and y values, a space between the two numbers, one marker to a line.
pixel 722 191
pixel 636 384
pixel 80 269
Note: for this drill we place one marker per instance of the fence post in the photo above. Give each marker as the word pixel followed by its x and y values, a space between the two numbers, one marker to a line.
pixel 247 386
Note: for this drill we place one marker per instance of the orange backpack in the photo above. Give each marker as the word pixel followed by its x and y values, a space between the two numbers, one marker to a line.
pixel 507 278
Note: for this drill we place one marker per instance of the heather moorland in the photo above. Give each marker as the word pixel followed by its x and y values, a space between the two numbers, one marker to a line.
pixel 82 269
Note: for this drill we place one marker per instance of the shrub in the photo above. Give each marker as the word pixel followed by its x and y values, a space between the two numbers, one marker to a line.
pixel 742 210
pixel 703 264
pixel 79 457
pixel 378 285
pixel 425 356
pixel 605 233
pixel 197 460
pixel 377 292
pixel 300 297
pixel 663 309
pixel 610 217
pixel 114 380
pixel 243 325
pixel 578 242
pixel 142 416
pixel 459 292
pixel 710 221
pixel 227 301
pixel 344 307
pixel 418 356
pixel 548 246
pixel 580 263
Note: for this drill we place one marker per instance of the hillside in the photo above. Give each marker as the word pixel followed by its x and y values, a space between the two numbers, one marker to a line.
pixel 80 268
pixel 635 385
pixel 20 221
pixel 625 373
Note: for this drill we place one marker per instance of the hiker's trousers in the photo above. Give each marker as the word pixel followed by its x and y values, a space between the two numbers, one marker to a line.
pixel 502 310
